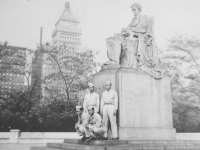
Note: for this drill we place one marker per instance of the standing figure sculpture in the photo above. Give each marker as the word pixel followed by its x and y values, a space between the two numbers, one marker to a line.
pixel 109 107
pixel 135 47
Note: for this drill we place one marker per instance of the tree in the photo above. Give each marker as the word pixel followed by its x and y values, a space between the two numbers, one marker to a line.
pixel 181 62
pixel 18 64
pixel 70 70
pixel 186 117
pixel 58 115
pixel 26 109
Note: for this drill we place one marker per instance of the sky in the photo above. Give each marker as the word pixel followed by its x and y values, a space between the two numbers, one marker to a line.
pixel 20 20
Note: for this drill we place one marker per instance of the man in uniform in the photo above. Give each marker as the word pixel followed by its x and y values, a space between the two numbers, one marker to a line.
pixel 109 106
pixel 83 119
pixel 91 99
pixel 95 127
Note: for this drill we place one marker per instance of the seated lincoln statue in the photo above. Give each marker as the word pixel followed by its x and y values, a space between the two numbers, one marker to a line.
pixel 135 47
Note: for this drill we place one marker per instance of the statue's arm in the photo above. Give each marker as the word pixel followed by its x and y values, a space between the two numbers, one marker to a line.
pixel 129 26
pixel 140 29
pixel 126 31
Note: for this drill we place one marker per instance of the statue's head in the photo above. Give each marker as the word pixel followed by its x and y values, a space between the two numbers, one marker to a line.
pixel 136 8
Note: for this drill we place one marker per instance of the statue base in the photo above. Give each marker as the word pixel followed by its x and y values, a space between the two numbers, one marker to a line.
pixel 145 110
pixel 75 144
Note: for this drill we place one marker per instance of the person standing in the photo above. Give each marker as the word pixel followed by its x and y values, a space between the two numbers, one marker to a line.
pixel 91 99
pixel 109 107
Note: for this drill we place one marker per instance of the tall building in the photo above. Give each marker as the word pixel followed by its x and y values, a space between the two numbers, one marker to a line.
pixel 12 69
pixel 67 30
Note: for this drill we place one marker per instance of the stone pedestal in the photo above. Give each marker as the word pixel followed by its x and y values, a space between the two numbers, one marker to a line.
pixel 14 134
pixel 74 144
pixel 145 110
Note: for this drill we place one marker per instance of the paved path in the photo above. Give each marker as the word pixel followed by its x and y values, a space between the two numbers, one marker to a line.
pixel 18 146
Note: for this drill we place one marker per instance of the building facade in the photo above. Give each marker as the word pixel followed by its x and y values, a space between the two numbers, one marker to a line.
pixel 12 69
pixel 67 30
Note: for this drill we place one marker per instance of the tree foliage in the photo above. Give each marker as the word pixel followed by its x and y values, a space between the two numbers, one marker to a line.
pixel 69 70
pixel 56 112
pixel 57 115
pixel 182 63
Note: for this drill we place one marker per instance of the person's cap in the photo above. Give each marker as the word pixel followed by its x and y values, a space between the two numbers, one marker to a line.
pixel 90 107
pixel 90 84
pixel 108 82
pixel 78 108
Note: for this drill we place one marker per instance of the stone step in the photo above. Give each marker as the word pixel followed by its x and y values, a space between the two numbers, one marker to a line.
pixel 81 147
pixel 73 141
pixel 171 147
pixel 72 144
pixel 129 142
pixel 124 147
pixel 183 147
pixel 44 148
pixel 89 147
pixel 67 146
pixel 162 143
pixel 97 142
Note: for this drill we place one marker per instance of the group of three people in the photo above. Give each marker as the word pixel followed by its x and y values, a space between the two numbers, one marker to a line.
pixel 90 124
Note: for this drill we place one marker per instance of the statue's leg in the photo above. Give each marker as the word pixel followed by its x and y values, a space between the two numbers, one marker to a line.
pixel 133 48
pixel 125 54
pixel 114 47
pixel 129 50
